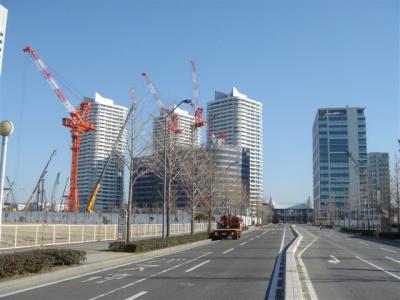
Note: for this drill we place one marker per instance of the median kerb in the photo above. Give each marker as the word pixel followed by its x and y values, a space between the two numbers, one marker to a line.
pixel 292 281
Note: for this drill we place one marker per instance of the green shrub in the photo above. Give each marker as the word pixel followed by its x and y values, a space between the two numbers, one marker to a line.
pixel 389 235
pixel 65 256
pixel 35 261
pixel 157 243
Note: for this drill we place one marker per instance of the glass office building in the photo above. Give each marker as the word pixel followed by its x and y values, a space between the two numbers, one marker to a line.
pixel 339 164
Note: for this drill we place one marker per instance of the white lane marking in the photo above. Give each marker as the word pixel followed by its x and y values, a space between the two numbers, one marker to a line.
pixel 311 291
pixel 197 266
pixel 148 277
pixel 91 278
pixel 257 236
pixel 251 239
pixel 229 250
pixel 170 260
pixel 395 260
pixel 334 260
pixel 137 295
pixel 94 272
pixel 363 243
pixel 147 266
pixel 244 243
pixel 135 268
pixel 386 249
pixel 274 283
pixel 379 268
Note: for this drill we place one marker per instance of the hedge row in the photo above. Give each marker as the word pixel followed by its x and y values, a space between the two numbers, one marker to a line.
pixel 366 232
pixel 35 261
pixel 389 235
pixel 158 243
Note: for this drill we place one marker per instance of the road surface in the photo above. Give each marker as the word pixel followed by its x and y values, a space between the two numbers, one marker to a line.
pixel 342 266
pixel 228 269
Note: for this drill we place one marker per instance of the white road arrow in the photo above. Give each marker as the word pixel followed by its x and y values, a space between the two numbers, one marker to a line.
pixel 334 260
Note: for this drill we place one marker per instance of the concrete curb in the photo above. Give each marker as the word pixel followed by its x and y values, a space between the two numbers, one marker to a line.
pixel 292 281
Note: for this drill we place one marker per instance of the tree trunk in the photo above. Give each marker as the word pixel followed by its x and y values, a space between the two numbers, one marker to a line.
pixel 192 222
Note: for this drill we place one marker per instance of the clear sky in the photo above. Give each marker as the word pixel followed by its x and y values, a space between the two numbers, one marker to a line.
pixel 293 56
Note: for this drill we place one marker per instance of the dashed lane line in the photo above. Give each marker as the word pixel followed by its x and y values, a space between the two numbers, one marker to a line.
pixel 392 259
pixel 197 266
pixel 363 243
pixel 137 295
pixel 148 277
pixel 244 243
pixel 229 250
pixel 386 249
pixel 378 267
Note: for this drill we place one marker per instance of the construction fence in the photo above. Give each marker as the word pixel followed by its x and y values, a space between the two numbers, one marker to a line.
pixel 14 236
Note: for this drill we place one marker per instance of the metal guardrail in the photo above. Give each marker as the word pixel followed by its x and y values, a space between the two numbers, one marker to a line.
pixel 34 235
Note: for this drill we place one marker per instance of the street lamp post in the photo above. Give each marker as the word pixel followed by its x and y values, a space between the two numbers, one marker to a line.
pixel 6 129
pixel 186 101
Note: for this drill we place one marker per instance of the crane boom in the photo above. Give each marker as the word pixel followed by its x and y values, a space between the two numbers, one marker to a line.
pixel 49 78
pixel 198 111
pixel 195 86
pixel 153 91
pixel 39 181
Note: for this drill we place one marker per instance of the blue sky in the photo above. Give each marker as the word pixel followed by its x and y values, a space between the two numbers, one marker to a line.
pixel 293 56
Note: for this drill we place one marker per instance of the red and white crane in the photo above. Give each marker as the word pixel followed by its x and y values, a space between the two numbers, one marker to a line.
pixel 76 123
pixel 173 122
pixel 198 111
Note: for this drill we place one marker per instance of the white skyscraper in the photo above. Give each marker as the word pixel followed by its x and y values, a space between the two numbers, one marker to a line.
pixel 3 24
pixel 96 146
pixel 239 119
pixel 183 138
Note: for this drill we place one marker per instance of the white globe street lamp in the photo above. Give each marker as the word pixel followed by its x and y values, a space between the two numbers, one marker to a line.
pixel 6 129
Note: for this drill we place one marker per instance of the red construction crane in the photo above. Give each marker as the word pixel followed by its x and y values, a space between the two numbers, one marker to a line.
pixel 76 123
pixel 198 111
pixel 173 122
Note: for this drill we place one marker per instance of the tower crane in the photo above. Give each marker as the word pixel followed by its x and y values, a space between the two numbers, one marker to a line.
pixel 77 124
pixel 173 122
pixel 54 191
pixel 198 111
pixel 37 186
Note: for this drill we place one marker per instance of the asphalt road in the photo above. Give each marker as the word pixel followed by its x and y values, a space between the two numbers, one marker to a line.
pixel 228 269
pixel 342 266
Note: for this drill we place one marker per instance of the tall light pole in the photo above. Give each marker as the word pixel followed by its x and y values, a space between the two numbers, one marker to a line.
pixel 6 129
pixel 166 119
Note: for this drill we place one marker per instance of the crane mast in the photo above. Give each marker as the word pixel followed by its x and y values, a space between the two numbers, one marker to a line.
pixel 77 124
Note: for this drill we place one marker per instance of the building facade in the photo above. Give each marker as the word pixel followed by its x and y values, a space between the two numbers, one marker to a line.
pixel 379 183
pixel 96 146
pixel 238 119
pixel 340 163
pixel 3 25
pixel 230 171
pixel 184 138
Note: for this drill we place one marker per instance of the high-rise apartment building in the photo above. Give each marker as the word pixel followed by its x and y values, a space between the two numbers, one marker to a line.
pixel 340 163
pixel 183 138
pixel 239 120
pixel 96 146
pixel 3 25
pixel 379 182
